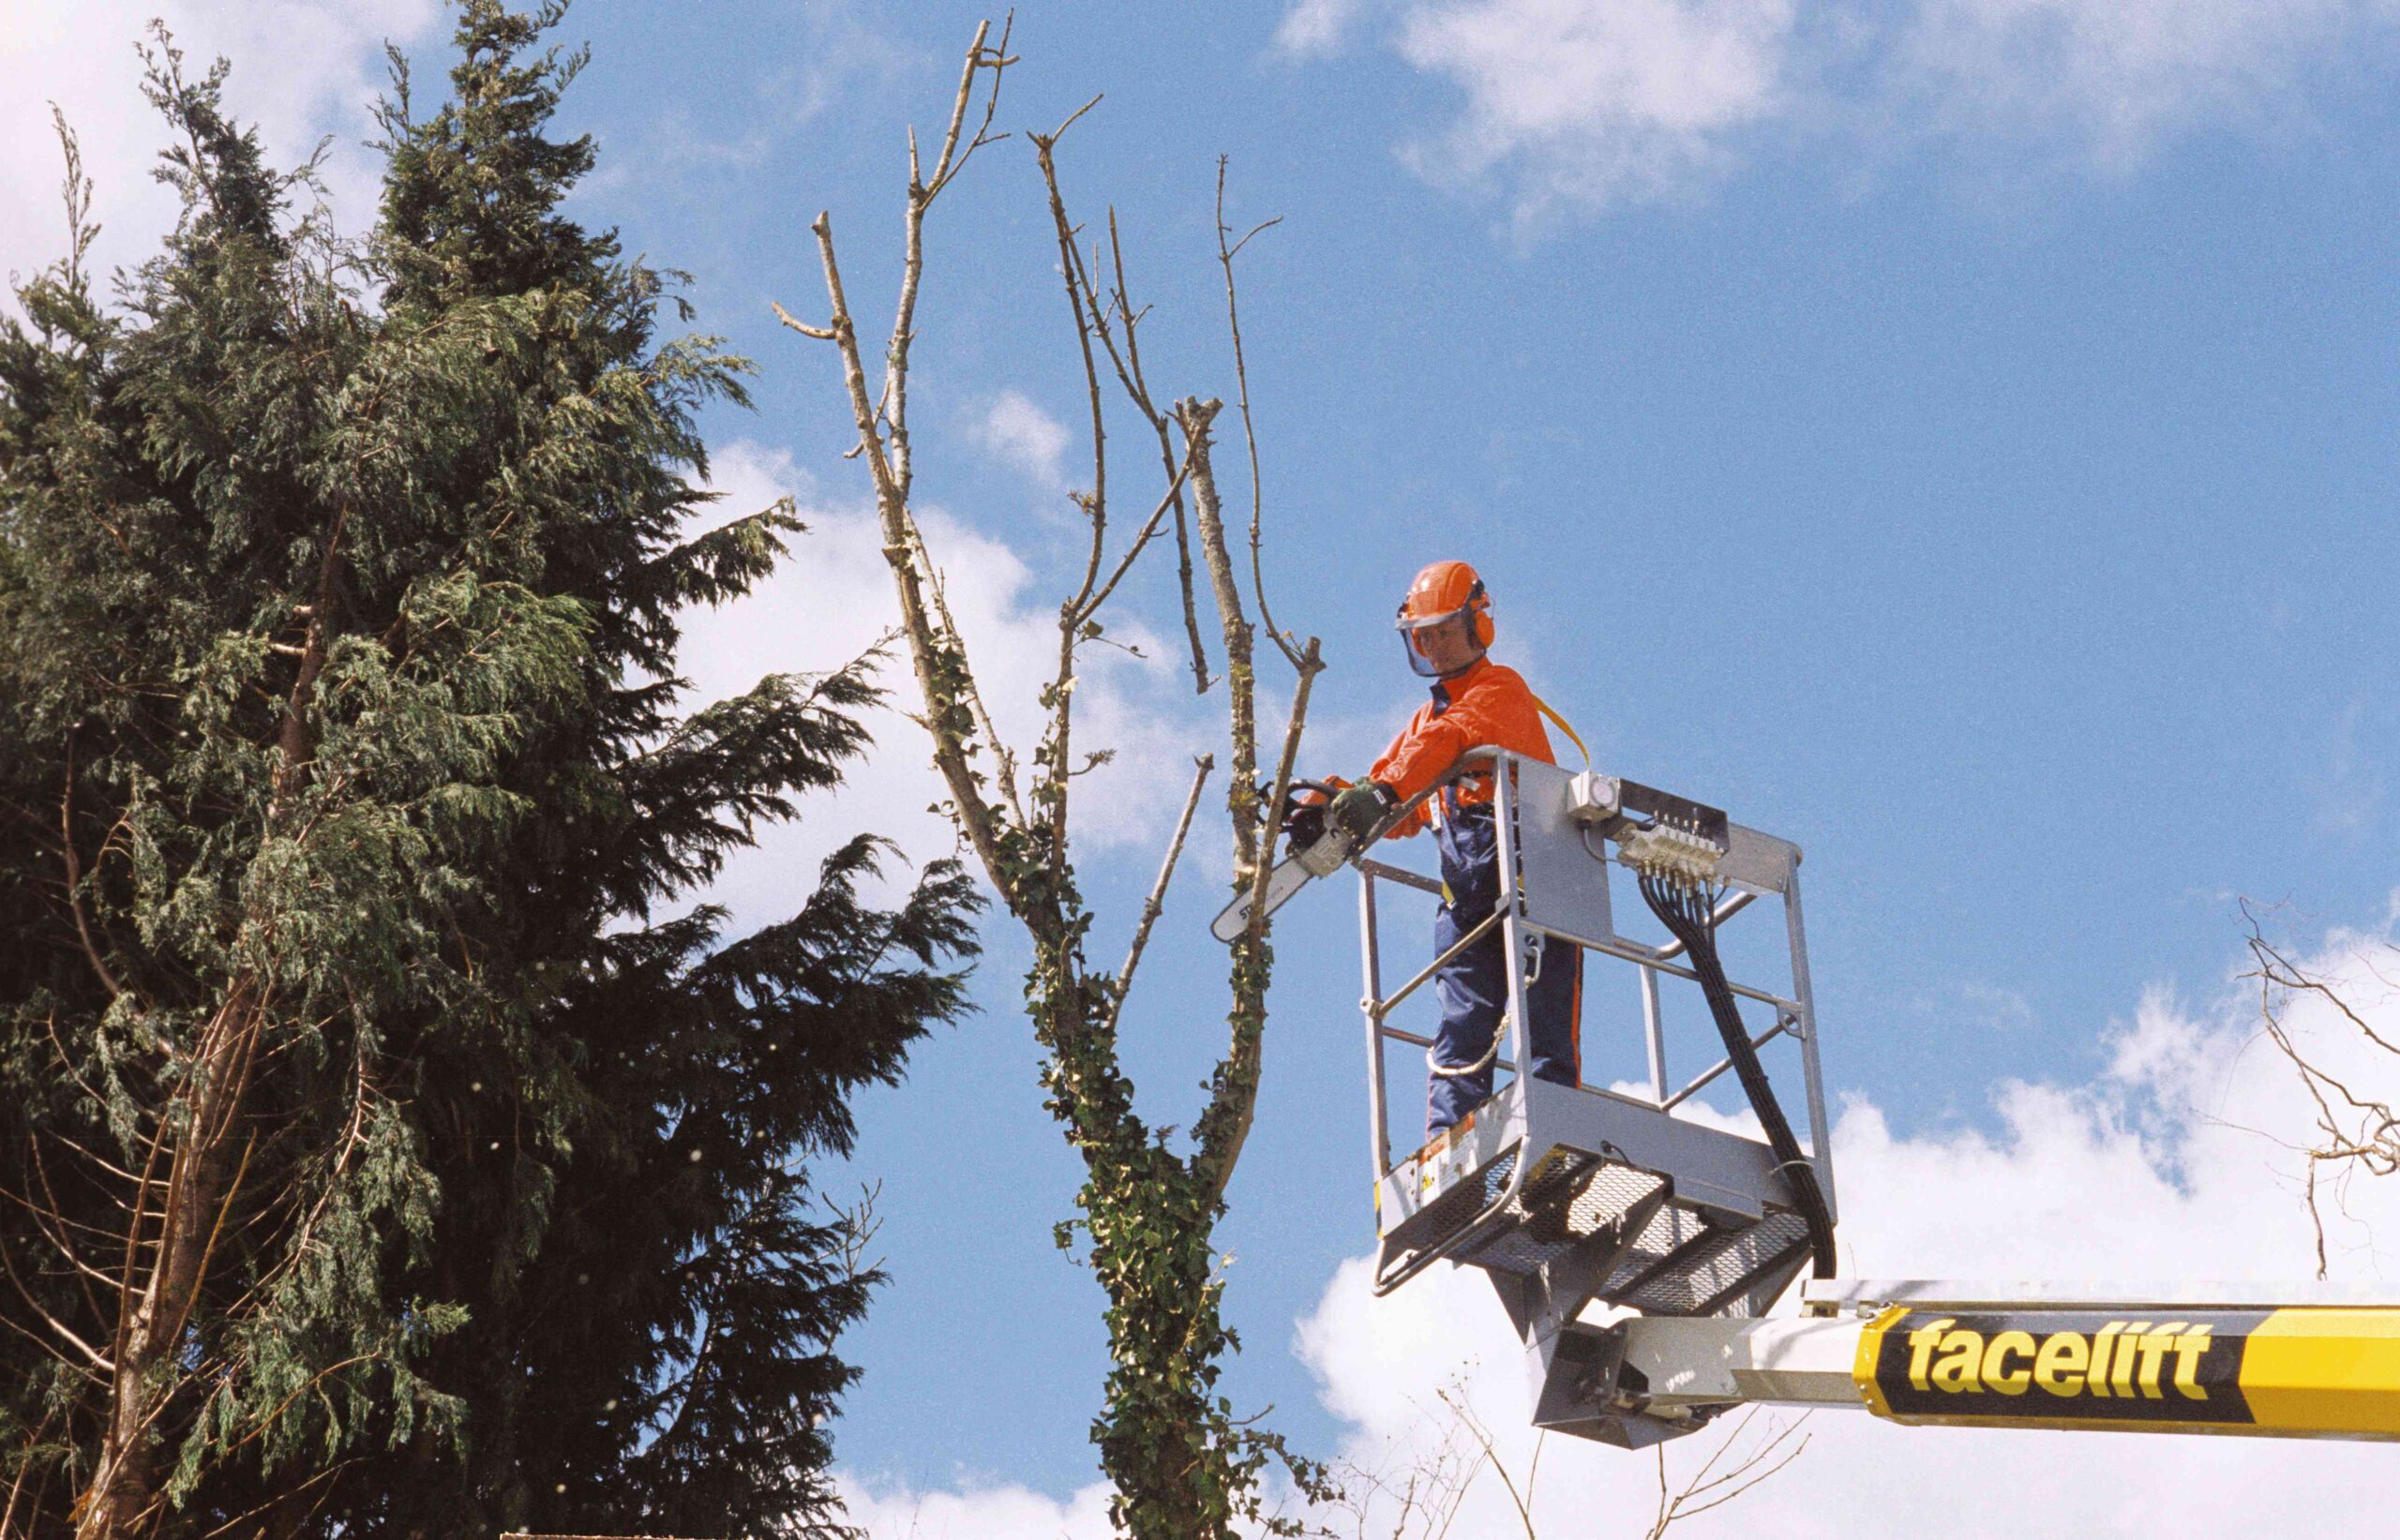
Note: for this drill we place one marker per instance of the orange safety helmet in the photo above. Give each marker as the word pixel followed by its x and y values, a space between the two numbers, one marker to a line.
pixel 1442 592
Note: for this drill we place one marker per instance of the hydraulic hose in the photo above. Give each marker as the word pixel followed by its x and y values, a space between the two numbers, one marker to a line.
pixel 1688 912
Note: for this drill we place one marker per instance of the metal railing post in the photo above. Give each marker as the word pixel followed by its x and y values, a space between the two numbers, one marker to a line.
pixel 1655 1027
pixel 1371 1005
pixel 1821 1146
pixel 1513 936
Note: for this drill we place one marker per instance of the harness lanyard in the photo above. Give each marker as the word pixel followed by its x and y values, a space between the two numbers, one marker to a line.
pixel 1565 726
pixel 1449 794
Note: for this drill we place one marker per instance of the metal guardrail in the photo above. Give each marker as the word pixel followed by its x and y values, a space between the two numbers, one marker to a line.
pixel 1794 1013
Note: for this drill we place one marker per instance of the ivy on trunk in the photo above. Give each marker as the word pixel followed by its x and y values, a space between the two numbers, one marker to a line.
pixel 1182 1464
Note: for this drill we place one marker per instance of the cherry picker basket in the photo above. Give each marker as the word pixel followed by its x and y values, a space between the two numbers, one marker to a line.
pixel 1573 1196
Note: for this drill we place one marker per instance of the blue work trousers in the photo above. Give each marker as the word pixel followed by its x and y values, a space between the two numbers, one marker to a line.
pixel 1473 987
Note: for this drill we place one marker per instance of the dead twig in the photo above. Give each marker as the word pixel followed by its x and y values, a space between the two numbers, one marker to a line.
pixel 859 1225
pixel 1125 563
pixel 75 875
pixel 1225 255
pixel 2357 1132
pixel 1705 1491
pixel 1522 1502
pixel 1127 363
pixel 1157 901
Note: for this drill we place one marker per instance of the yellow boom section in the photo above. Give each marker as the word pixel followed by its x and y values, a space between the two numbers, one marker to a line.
pixel 2297 1371
pixel 2201 1359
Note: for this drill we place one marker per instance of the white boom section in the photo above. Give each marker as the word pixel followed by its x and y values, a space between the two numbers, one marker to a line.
pixel 1695 1362
pixel 2227 1358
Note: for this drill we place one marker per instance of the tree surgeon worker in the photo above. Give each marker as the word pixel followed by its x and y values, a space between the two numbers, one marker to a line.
pixel 1446 626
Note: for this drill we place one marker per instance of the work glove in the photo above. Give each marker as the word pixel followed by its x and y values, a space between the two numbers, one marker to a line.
pixel 1359 808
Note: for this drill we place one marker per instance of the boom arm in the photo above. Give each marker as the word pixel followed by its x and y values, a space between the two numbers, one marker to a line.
pixel 2204 1358
pixel 1637 1251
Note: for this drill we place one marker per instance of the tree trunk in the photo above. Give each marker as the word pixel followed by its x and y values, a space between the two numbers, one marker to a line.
pixel 199 1129
pixel 125 1483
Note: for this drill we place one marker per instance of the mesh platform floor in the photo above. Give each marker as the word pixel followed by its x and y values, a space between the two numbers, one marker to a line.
pixel 1682 1263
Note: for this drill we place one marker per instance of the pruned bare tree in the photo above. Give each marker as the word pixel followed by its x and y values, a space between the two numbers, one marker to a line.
pixel 1417 1494
pixel 2357 1131
pixel 1181 1463
pixel 1736 1467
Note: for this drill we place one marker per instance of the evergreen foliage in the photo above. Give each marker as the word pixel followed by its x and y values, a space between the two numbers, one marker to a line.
pixel 379 1153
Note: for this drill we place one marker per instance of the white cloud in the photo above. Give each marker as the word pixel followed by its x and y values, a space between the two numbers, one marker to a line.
pixel 1585 103
pixel 2116 75
pixel 2156 1172
pixel 1990 1005
pixel 302 69
pixel 1014 427
pixel 1313 27
pixel 831 598
pixel 830 53
pixel 1589 100
pixel 890 1511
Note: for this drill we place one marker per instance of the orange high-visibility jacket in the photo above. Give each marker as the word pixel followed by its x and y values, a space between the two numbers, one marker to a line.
pixel 1487 704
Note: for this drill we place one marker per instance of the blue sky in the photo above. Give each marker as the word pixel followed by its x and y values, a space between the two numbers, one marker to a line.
pixel 1957 435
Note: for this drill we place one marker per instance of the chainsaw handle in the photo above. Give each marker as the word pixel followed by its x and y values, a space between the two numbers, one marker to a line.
pixel 1304 821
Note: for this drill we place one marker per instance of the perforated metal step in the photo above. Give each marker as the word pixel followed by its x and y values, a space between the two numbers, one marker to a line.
pixel 1684 1265
pixel 1684 1260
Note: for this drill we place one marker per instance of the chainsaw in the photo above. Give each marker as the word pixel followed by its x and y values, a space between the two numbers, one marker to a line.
pixel 1318 848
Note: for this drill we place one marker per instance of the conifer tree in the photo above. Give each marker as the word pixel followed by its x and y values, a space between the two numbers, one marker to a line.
pixel 380 1150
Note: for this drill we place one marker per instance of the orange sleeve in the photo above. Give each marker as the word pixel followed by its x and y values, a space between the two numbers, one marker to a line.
pixel 1496 707
pixel 1425 750
pixel 1418 819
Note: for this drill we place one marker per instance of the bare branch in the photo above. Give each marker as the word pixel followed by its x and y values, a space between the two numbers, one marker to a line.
pixel 892 405
pixel 1474 1425
pixel 1060 131
pixel 1249 435
pixel 2357 1133
pixel 854 369
pixel 2290 977
pixel 1311 663
pixel 1223 1127
pixel 859 1224
pixel 1744 1477
pixel 1128 365
pixel 1095 505
pixel 1428 1490
pixel 823 334
pixel 1195 417
pixel 1157 901
pixel 75 875
pixel 1174 495
pixel 935 650
pixel 1074 615
pixel 92 1355
pixel 996 60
